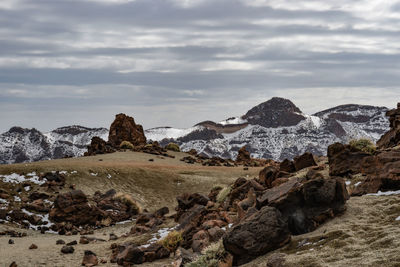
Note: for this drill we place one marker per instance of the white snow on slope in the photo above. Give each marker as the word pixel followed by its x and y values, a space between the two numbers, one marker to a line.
pixel 157 134
pixel 236 120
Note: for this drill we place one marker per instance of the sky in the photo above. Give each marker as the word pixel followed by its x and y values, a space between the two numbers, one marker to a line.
pixel 179 62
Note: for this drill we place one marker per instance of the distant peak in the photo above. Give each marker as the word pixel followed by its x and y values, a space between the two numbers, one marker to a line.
pixel 275 112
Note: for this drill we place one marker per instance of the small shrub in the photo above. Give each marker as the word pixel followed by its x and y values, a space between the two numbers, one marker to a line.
pixel 126 145
pixel 173 147
pixel 172 241
pixel 223 194
pixel 127 199
pixel 210 257
pixel 364 145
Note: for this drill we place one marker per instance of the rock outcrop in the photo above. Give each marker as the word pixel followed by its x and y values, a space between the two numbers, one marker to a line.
pixel 344 160
pixel 98 146
pixel 124 128
pixel 264 231
pixel 392 137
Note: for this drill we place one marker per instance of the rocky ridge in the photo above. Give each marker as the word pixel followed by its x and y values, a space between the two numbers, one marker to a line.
pixel 277 129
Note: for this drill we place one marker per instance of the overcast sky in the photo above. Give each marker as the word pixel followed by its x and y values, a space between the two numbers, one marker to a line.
pixel 179 62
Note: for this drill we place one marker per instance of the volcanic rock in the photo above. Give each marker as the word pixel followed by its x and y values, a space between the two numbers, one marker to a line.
pixel 33 246
pixel 268 175
pixel 287 166
pixel 260 233
pixel 382 172
pixel 124 128
pixel 129 254
pixel 98 146
pixel 392 137
pixel 67 249
pixel 89 259
pixel 74 207
pixel 344 160
pixel 243 155
pixel 304 161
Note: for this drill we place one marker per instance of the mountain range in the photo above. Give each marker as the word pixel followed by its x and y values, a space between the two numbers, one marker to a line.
pixel 275 129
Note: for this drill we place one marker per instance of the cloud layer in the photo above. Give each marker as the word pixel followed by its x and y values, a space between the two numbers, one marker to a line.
pixel 177 62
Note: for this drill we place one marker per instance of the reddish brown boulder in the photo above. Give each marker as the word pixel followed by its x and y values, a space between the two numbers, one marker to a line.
pixel 124 128
pixel 268 175
pixel 128 254
pixel 382 172
pixel 89 259
pixel 392 137
pixel 260 233
pixel 287 166
pixel 304 161
pixel 344 160
pixel 243 155
pixel 98 146
pixel 73 207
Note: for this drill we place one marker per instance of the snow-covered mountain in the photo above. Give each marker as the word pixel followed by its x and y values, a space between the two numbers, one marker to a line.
pixel 277 129
pixel 26 145
pixel 274 129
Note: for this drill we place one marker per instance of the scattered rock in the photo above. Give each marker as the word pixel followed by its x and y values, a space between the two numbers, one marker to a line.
pixel 60 242
pixel 10 241
pixel 72 243
pixel 33 246
pixel 89 259
pixel 13 264
pixel 67 249
pixel 243 155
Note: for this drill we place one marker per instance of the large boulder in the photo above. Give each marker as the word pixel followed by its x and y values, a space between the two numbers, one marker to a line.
pixel 264 231
pixel 268 175
pixel 243 155
pixel 304 161
pixel 98 146
pixel 382 173
pixel 344 160
pixel 129 254
pixel 73 207
pixel 124 128
pixel 392 137
pixel 307 203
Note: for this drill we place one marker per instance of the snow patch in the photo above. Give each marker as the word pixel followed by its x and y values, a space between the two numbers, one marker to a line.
pixel 236 120
pixel 387 193
pixel 158 134
pixel 15 178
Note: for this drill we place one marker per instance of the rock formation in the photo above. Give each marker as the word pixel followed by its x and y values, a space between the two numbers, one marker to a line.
pixel 392 137
pixel 124 128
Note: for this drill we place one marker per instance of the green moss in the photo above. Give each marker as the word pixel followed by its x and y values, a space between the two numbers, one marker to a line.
pixel 173 147
pixel 126 145
pixel 364 145
pixel 172 241
pixel 210 256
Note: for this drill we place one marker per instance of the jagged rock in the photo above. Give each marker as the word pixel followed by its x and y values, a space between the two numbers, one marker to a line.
pixel 268 175
pixel 98 146
pixel 54 179
pixel 74 207
pixel 287 166
pixel 148 221
pixel 344 160
pixel 382 172
pixel 260 233
pixel 304 161
pixel 307 203
pixel 392 137
pixel 89 259
pixel 13 264
pixel 243 155
pixel 124 128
